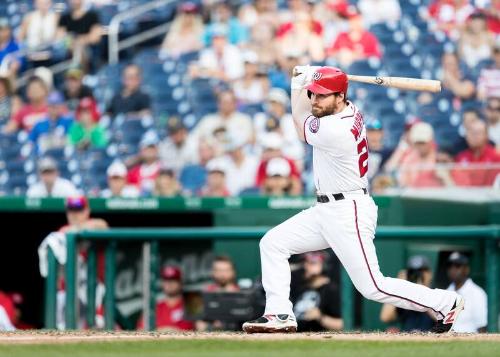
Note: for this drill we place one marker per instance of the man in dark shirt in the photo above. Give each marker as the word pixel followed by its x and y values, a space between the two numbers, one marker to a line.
pixel 317 306
pixel 417 271
pixel 81 23
pixel 131 100
pixel 82 26
pixel 74 90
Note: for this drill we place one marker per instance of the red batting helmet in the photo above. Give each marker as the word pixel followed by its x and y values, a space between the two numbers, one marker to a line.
pixel 328 80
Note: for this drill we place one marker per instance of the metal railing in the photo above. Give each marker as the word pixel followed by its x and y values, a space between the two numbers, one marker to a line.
pixel 55 68
pixel 151 238
pixel 443 176
pixel 115 45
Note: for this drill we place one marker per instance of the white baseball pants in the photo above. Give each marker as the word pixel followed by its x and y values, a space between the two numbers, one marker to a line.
pixel 348 227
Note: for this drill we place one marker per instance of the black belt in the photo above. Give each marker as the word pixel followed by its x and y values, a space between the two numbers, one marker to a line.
pixel 336 196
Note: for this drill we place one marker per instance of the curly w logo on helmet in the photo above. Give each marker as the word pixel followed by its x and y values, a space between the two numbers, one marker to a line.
pixel 317 76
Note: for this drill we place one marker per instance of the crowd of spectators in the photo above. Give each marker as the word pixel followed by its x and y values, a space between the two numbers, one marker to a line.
pixel 248 144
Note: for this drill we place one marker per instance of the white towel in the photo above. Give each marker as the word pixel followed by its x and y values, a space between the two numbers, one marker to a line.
pixel 57 242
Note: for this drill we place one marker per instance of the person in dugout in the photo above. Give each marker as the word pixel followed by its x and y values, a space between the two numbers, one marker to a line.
pixel 170 310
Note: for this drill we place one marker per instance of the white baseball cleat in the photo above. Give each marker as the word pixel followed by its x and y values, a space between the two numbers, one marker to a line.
pixel 446 324
pixel 271 324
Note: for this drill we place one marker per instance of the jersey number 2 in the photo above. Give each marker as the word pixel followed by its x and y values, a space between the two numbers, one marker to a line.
pixel 363 157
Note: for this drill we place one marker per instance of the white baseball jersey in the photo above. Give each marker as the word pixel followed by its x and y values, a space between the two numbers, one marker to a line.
pixel 340 151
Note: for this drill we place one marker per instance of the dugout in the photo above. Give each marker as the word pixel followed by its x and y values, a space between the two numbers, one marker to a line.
pixel 48 214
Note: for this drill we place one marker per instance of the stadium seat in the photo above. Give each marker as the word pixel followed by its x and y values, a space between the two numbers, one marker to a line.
pixel 252 191
pixel 193 177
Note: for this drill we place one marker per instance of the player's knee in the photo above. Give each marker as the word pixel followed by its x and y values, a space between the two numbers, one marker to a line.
pixel 269 241
pixel 369 292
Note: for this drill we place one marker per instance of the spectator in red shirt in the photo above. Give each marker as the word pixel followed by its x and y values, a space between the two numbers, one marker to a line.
pixel 450 15
pixel 33 111
pixel 356 44
pixel 493 15
pixel 479 152
pixel 170 311
pixel 303 34
pixel 418 167
pixel 144 175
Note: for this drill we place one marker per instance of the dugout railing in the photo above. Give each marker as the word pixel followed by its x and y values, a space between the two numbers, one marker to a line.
pixel 151 238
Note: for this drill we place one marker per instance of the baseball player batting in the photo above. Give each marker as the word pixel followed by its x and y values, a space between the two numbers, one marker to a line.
pixel 345 216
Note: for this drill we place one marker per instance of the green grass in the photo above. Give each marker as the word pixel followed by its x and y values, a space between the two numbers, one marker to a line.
pixel 221 348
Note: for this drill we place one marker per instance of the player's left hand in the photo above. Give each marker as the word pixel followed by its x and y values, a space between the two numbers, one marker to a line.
pixel 302 76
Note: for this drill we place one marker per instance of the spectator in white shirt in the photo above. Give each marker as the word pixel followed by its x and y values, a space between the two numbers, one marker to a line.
pixel 488 84
pixel 232 122
pixel 241 168
pixel 178 149
pixel 38 30
pixel 474 318
pixel 379 11
pixel 277 119
pixel 492 114
pixel 117 182
pixel 51 184
pixel 222 60
pixel 252 88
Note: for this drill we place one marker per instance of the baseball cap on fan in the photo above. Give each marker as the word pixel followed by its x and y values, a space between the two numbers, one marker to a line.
pixel 149 139
pixel 278 95
pixel 188 7
pixel 117 169
pixel 74 73
pixel 216 165
pixel 272 141
pixel 174 125
pixel 374 124
pixel 250 57
pixel 47 164
pixel 219 30
pixel 421 133
pixel 278 166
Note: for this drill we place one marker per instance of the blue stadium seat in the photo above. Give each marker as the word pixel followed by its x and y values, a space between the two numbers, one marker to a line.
pixel 252 191
pixel 363 68
pixel 17 184
pixel 193 177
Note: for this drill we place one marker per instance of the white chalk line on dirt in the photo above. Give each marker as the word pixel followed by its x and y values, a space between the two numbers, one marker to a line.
pixel 56 337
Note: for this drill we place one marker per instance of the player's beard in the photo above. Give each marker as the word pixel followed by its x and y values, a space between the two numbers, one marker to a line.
pixel 322 111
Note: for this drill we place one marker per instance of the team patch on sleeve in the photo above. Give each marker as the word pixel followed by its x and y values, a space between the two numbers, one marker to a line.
pixel 314 125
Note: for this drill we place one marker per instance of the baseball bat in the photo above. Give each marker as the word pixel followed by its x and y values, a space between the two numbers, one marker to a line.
pixel 428 85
